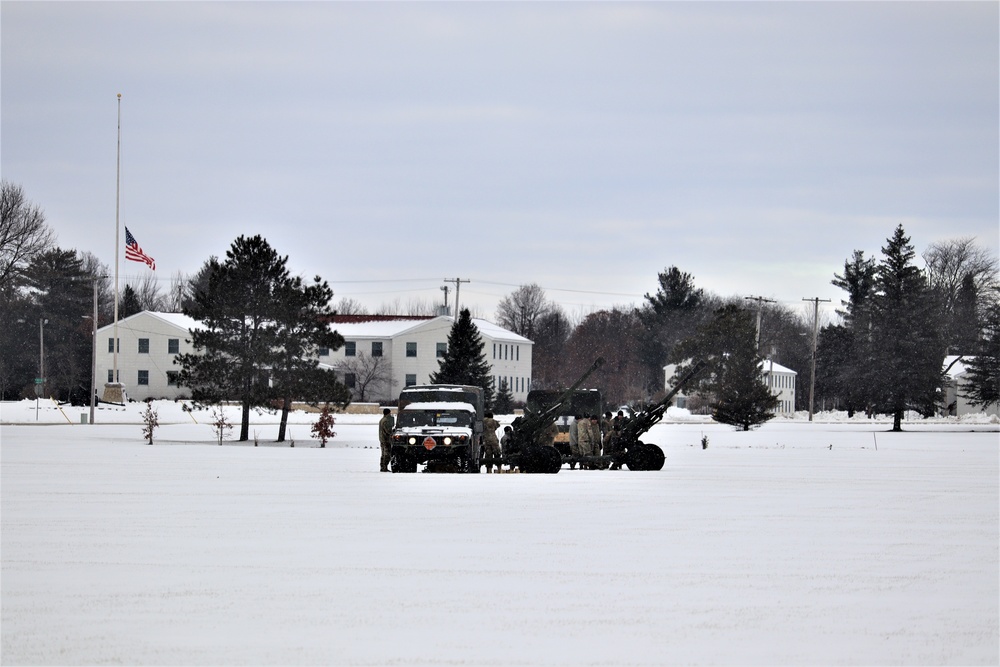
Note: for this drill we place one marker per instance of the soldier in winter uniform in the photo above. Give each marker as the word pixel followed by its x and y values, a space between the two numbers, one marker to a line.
pixel 491 445
pixel 385 426
pixel 574 441
pixel 584 438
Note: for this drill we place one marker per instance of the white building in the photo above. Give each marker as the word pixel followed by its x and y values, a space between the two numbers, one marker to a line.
pixel 780 379
pixel 149 342
pixel 412 347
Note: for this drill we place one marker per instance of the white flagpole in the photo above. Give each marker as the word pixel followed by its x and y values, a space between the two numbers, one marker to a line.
pixel 118 181
pixel 114 391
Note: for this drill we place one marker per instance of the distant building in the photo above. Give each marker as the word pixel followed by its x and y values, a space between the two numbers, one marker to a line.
pixel 413 346
pixel 780 379
pixel 955 404
pixel 149 342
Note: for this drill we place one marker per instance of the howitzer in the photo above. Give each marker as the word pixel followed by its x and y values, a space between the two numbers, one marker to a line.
pixel 525 446
pixel 639 455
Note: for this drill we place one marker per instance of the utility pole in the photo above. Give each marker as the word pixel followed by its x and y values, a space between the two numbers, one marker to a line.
pixel 812 374
pixel 760 307
pixel 458 284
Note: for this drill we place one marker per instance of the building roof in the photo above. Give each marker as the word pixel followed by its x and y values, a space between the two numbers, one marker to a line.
pixel 774 367
pixel 388 327
pixel 178 320
pixel 360 326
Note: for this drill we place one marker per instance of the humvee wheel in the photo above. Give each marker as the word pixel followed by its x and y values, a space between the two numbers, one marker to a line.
pixel 402 463
pixel 642 456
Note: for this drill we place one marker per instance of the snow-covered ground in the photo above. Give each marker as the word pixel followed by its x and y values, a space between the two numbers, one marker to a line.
pixel 832 542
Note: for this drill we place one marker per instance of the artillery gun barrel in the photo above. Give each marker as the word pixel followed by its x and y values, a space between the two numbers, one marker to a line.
pixel 645 420
pixel 524 450
pixel 545 417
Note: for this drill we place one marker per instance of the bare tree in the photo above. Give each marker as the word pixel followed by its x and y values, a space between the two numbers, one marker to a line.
pixel 949 262
pixel 147 293
pixel 23 232
pixel 347 306
pixel 520 310
pixel 372 375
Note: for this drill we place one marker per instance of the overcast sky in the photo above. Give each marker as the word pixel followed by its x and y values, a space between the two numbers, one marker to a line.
pixel 581 146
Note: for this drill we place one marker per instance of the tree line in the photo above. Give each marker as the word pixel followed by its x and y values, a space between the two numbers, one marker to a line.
pixel 883 354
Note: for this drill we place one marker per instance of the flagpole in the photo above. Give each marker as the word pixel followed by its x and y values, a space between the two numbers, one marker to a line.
pixel 118 183
pixel 114 391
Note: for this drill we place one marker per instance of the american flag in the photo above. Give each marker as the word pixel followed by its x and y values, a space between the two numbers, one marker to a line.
pixel 135 253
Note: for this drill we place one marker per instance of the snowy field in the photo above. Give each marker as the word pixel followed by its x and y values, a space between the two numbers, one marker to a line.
pixel 826 543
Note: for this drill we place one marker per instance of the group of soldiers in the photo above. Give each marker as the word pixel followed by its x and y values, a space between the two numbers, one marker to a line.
pixel 590 435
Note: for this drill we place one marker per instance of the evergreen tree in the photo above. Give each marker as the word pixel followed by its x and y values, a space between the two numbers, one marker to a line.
pixel 302 313
pixel 668 317
pixel 239 343
pixel 465 361
pixel 982 383
pixel 844 352
pixel 733 376
pixel 907 342
pixel 61 295
pixel 503 404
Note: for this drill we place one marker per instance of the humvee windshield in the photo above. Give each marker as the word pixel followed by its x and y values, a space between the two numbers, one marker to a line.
pixel 409 418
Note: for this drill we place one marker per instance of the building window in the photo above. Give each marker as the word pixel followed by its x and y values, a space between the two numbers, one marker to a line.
pixel 173 345
pixel 143 346
pixel 111 345
pixel 172 378
pixel 143 378
pixel 411 349
pixel 518 350
pixel 411 379
pixel 350 379
pixel 324 352
pixel 350 348
pixel 494 350
pixel 442 349
pixel 111 375
pixel 376 348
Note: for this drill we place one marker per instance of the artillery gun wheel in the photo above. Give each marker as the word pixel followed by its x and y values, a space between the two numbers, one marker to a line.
pixel 540 459
pixel 642 456
pixel 402 463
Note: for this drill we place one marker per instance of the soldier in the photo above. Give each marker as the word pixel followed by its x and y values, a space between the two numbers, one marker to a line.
pixel 584 438
pixel 574 442
pixel 385 426
pixel 611 438
pixel 595 437
pixel 618 423
pixel 491 445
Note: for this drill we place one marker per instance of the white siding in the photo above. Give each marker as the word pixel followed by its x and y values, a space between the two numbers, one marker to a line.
pixel 158 330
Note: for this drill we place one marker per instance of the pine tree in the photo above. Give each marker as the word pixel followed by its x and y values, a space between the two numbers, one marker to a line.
pixel 982 383
pixel 733 377
pixel 239 343
pixel 465 361
pixel 302 315
pixel 907 341
pixel 503 404
pixel 844 354
pixel 668 317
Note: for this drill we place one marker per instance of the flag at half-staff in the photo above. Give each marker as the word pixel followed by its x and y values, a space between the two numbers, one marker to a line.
pixel 135 253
